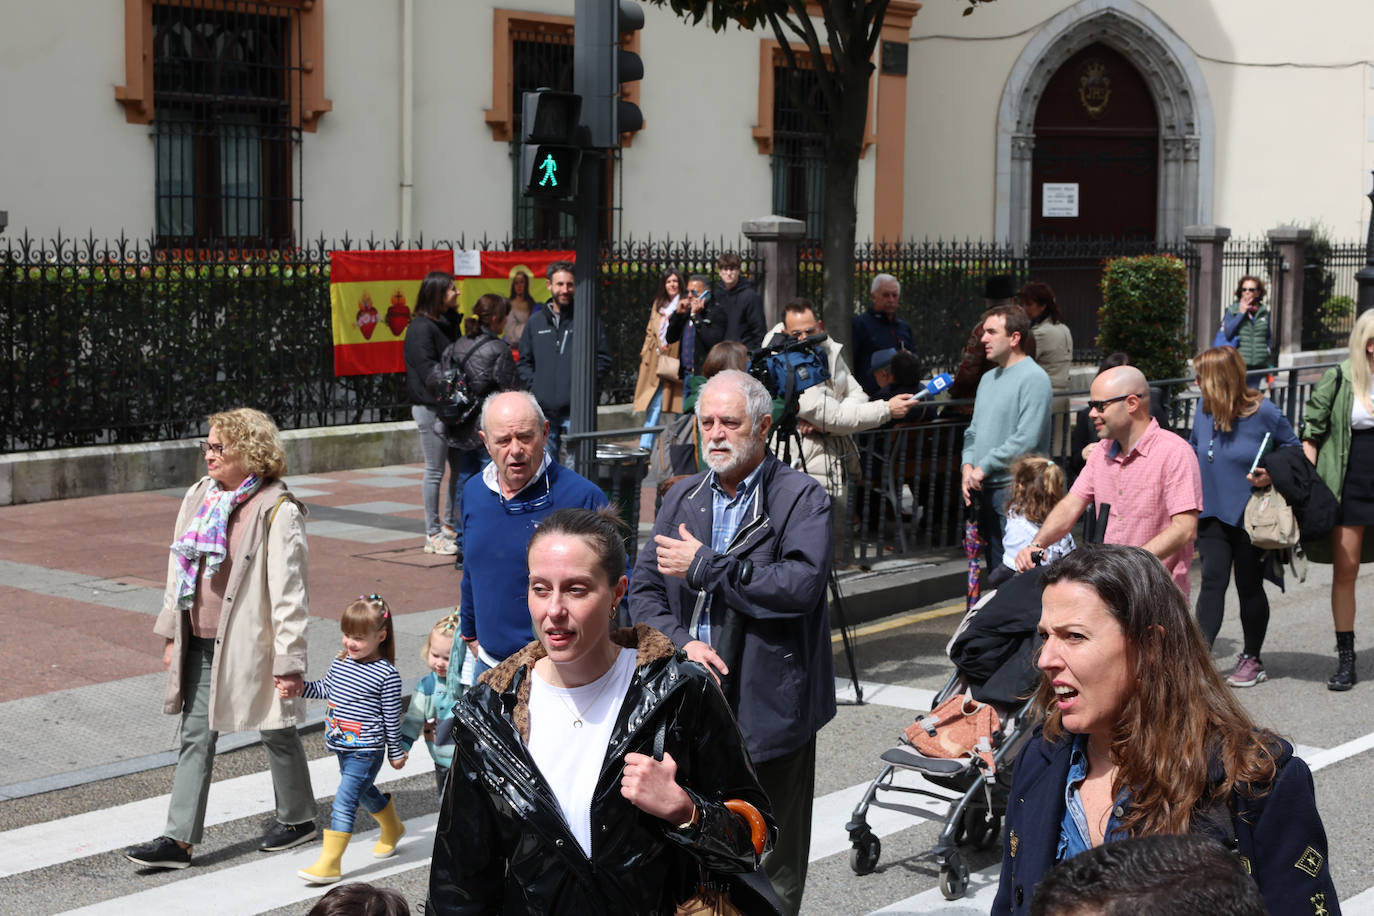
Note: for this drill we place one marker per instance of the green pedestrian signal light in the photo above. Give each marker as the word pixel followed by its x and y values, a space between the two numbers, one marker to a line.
pixel 550 153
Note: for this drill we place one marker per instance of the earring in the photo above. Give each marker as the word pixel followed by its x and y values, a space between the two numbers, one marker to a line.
pixel 613 608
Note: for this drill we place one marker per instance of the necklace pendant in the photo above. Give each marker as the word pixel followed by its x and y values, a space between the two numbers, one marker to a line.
pixel 577 723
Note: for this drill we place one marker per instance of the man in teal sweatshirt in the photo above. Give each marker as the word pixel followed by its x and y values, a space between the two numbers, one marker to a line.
pixel 1011 417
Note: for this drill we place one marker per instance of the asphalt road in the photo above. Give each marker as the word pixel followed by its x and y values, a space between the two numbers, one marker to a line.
pixel 905 654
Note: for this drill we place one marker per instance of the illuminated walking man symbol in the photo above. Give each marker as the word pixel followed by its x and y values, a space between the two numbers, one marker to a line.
pixel 550 168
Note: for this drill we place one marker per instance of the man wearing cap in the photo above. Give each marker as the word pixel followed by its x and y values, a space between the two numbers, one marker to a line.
pixel 879 328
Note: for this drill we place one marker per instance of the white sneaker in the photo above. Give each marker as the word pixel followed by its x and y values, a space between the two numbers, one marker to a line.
pixel 441 545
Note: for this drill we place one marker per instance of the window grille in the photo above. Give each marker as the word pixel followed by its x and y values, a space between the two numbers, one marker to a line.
pixel 799 113
pixel 227 144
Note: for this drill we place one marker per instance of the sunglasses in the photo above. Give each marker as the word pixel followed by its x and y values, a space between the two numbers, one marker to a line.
pixel 1249 289
pixel 1101 406
pixel 208 447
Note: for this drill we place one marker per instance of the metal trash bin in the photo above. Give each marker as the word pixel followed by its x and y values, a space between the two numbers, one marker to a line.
pixel 620 473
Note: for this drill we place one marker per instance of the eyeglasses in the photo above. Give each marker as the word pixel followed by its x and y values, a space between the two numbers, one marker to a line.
pixel 208 447
pixel 526 506
pixel 1101 406
pixel 1249 289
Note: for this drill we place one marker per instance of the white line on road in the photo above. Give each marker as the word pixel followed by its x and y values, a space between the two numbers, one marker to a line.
pixel 913 698
pixel 52 842
pixel 269 882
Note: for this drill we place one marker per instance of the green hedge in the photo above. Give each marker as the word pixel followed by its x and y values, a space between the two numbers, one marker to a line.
pixel 1145 313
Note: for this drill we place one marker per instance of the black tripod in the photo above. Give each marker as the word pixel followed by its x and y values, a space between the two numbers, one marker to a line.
pixel 785 434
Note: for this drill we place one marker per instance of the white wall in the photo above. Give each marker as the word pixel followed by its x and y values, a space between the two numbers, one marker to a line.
pixel 68 160
pixel 1292 143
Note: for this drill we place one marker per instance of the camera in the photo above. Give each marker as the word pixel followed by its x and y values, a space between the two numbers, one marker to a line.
pixel 787 369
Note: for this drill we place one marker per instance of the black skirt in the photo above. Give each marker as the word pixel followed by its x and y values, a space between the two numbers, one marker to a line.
pixel 1357 491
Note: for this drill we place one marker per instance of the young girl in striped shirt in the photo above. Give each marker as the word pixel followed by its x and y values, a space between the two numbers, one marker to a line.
pixel 363 722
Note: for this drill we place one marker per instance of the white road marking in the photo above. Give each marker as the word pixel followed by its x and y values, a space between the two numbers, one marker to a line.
pixel 977 900
pixel 831 812
pixel 917 699
pixel 68 838
pixel 268 882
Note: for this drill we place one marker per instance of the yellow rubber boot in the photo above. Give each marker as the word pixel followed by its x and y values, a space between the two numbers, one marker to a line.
pixel 392 830
pixel 327 870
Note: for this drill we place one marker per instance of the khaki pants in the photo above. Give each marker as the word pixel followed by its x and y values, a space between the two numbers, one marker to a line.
pixel 196 761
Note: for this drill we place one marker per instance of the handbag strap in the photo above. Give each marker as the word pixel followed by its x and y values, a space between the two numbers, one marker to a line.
pixel 758 827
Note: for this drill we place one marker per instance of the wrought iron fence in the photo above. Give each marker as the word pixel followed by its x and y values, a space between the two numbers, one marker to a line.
pixel 123 341
pixel 943 284
pixel 1329 292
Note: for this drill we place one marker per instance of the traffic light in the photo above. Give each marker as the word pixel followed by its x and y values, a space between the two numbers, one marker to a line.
pixel 601 66
pixel 549 151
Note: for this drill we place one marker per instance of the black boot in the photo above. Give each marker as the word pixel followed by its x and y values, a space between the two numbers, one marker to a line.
pixel 1344 678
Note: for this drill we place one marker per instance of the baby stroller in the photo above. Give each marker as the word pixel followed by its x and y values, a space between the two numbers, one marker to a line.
pixel 993 653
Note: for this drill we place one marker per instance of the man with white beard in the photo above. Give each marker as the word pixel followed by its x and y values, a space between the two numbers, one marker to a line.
pixel 736 577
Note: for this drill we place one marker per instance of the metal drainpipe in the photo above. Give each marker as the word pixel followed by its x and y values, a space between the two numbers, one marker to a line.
pixel 407 116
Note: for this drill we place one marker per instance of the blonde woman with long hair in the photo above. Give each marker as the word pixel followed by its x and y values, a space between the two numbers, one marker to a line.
pixel 1338 437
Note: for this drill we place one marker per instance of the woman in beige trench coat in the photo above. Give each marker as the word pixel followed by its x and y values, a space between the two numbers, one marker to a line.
pixel 654 394
pixel 233 616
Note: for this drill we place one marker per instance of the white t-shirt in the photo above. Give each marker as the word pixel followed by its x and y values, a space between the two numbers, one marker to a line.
pixel 1359 417
pixel 570 757
pixel 1020 532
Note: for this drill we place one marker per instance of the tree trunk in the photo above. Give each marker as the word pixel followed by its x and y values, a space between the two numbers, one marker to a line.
pixel 841 204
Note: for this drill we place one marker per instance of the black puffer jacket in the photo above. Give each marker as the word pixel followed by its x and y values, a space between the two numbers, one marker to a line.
pixel 489 368
pixel 502 845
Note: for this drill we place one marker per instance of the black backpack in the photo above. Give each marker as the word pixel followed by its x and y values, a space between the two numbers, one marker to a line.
pixel 455 400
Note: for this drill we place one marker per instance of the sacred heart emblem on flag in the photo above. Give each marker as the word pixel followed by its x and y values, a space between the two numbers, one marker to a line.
pixel 367 316
pixel 398 316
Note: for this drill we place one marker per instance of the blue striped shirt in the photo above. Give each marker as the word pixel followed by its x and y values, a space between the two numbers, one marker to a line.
pixel 728 514
pixel 364 706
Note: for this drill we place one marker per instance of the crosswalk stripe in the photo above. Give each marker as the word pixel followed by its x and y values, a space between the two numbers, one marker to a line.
pixel 977 901
pixel 51 842
pixel 269 882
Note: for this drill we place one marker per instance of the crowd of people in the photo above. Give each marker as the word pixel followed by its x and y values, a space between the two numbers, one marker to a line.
pixel 619 740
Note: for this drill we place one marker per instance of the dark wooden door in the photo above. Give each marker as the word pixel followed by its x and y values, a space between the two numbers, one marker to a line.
pixel 1096 128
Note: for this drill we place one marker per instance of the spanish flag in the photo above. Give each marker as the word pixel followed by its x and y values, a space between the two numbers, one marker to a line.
pixel 372 297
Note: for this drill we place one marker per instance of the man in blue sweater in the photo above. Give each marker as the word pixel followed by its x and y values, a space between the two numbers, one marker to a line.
pixel 501 507
pixel 1011 417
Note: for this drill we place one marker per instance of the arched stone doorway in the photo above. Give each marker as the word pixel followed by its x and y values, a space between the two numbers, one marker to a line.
pixel 1173 80
pixel 1094 168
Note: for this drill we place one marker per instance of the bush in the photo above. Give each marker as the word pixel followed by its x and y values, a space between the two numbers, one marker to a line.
pixel 1145 313
pixel 1336 312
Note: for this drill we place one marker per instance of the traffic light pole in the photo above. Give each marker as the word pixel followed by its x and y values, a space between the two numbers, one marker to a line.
pixel 583 414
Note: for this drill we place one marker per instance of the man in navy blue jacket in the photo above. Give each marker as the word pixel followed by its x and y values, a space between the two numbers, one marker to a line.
pixel 879 328
pixel 737 579
pixel 546 352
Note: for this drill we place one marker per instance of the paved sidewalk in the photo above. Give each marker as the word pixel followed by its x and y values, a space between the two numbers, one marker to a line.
pixel 81 583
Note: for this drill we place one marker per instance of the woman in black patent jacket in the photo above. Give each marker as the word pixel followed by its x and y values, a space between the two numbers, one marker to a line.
pixel 665 753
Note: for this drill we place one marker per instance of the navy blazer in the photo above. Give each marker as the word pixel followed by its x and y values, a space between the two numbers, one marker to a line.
pixel 782 678
pixel 1279 835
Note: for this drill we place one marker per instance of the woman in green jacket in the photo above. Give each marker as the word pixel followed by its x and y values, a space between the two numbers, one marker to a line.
pixel 1338 437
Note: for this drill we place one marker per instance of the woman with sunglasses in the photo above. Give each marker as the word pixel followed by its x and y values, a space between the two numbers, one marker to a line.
pixel 1231 427
pixel 1245 326
pixel 234 615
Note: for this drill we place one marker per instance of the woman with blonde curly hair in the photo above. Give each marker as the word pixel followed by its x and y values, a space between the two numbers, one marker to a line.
pixel 1141 736
pixel 233 616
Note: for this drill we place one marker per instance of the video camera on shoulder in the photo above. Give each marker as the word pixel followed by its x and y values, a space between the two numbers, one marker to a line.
pixel 789 368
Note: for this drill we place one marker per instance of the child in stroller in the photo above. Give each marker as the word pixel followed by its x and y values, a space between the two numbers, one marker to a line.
pixel 994 656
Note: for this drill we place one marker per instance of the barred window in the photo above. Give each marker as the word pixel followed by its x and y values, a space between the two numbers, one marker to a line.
pixel 799 113
pixel 227 136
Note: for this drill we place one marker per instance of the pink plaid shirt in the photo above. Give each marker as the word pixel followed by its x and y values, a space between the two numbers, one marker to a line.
pixel 1146 487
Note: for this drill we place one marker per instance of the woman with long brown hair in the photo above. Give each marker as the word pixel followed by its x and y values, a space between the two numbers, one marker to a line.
pixel 659 392
pixel 1141 736
pixel 1228 433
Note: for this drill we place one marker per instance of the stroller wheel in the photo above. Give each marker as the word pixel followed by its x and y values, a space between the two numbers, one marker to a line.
pixel 984 830
pixel 863 858
pixel 954 879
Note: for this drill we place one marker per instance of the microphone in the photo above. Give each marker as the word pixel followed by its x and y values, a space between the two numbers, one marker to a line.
pixel 934 387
